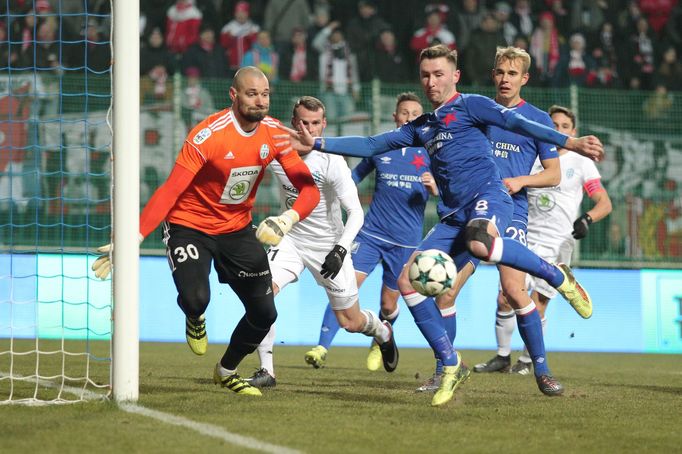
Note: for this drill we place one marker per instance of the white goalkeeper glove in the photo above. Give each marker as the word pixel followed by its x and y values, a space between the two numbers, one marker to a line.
pixel 102 266
pixel 273 228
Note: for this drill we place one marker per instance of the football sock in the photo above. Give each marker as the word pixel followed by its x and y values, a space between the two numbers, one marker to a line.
pixel 429 321
pixel 525 357
pixel 512 253
pixel 390 318
pixel 330 326
pixel 225 372
pixel 449 319
pixel 530 328
pixel 375 328
pixel 505 323
pixel 265 351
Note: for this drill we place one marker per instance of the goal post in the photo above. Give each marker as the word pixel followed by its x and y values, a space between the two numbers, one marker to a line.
pixel 126 200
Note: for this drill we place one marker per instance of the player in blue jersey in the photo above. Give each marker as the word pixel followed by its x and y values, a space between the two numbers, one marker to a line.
pixel 515 155
pixel 392 228
pixel 476 204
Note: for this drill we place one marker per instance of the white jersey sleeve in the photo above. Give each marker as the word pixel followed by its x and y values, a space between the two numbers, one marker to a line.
pixel 347 193
pixel 323 228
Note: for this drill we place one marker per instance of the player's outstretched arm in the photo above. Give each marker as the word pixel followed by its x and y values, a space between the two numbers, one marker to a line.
pixel 588 146
pixel 361 147
pixel 430 183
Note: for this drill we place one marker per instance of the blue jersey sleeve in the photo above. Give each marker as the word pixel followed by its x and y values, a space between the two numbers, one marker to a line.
pixel 363 169
pixel 546 150
pixel 487 112
pixel 365 147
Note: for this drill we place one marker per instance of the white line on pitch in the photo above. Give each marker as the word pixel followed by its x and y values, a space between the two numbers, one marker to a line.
pixel 207 429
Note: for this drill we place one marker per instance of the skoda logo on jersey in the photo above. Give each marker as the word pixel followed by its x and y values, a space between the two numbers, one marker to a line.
pixel 201 136
pixel 264 151
pixel 239 190
pixel 290 202
pixel 570 172
pixel 545 201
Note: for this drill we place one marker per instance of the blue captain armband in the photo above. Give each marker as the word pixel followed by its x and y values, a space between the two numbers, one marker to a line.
pixel 318 144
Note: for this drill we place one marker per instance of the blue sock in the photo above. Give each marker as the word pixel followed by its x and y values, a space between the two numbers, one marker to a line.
pixel 428 319
pixel 330 326
pixel 450 325
pixel 530 329
pixel 518 256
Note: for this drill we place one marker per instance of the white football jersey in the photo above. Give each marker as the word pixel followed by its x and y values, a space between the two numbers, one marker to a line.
pixel 552 210
pixel 324 227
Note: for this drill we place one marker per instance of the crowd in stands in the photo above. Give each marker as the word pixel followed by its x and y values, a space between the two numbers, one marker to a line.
pixel 593 43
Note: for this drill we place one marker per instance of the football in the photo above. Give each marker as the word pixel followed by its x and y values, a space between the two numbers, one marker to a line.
pixel 433 272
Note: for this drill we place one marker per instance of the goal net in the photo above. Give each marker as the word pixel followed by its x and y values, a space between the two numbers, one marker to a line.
pixel 55 209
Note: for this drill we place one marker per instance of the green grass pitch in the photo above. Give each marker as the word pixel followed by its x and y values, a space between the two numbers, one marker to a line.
pixel 612 403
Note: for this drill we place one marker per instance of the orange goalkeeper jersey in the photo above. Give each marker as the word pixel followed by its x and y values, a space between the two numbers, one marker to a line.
pixel 228 164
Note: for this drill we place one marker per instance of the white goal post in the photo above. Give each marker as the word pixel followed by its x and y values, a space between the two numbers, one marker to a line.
pixel 126 199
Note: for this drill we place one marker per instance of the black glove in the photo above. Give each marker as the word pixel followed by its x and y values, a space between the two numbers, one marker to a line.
pixel 581 226
pixel 333 262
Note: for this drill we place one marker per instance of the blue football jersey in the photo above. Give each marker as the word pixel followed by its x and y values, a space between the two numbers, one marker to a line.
pixel 515 154
pixel 396 214
pixel 455 137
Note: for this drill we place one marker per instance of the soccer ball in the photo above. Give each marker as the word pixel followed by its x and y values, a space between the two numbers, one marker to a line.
pixel 432 273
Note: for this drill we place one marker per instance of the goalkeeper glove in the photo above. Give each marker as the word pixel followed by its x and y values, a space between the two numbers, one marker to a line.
pixel 333 262
pixel 102 266
pixel 581 226
pixel 273 228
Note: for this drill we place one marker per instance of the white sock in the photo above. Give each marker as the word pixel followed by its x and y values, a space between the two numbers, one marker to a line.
pixel 224 372
pixel 374 328
pixel 393 315
pixel 265 351
pixel 505 324
pixel 525 356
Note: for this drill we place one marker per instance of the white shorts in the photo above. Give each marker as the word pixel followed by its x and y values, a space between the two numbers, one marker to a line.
pixel 287 261
pixel 556 253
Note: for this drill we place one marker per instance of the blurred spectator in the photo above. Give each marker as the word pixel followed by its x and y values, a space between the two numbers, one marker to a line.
pixel 522 17
pixel 363 32
pixel 640 68
pixel 320 21
pixel 183 21
pixel 479 55
pixel 338 72
pixel 587 15
pixel 91 52
pixel 545 48
pixel 9 53
pixel 238 35
pixel 658 105
pixel 502 12
pixel 206 55
pixel 154 13
pixel 257 9
pixel 391 65
pixel 581 66
pixel 464 21
pixel 657 12
pixel 282 17
pixel 669 72
pixel 297 63
pixel 435 32
pixel 562 16
pixel 209 14
pixel 263 56
pixel 627 18
pixel 156 88
pixel 154 53
pixel 605 59
pixel 673 28
pixel 197 102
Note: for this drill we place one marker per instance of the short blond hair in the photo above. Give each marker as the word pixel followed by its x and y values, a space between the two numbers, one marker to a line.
pixel 512 53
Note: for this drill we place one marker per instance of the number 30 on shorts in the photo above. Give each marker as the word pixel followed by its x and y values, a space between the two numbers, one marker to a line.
pixel 516 234
pixel 183 253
